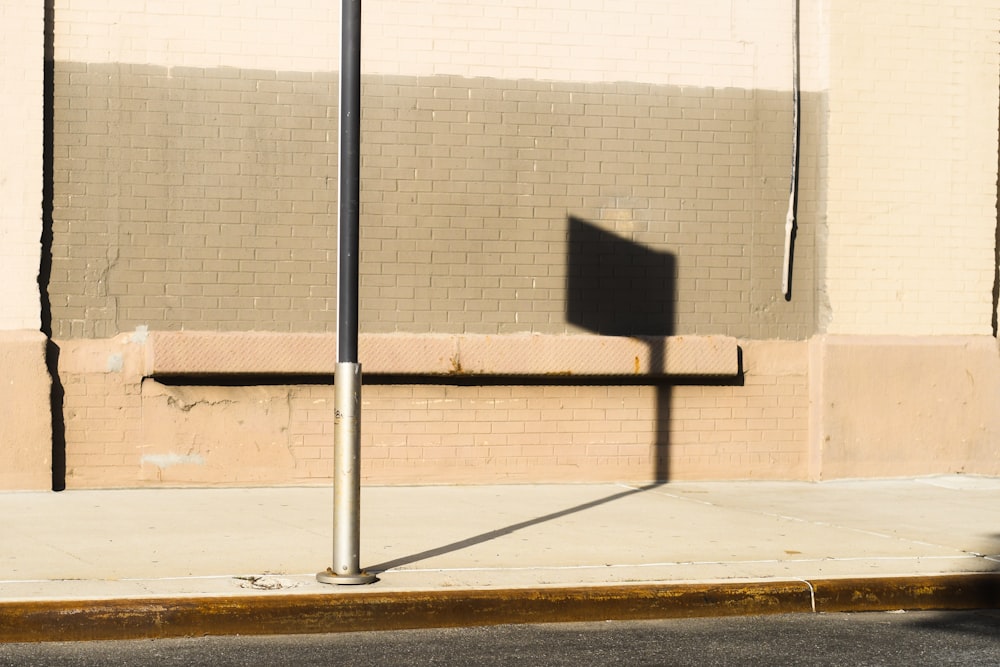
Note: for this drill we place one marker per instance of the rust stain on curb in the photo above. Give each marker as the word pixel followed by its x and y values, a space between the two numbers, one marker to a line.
pixel 959 591
pixel 351 612
pixel 368 611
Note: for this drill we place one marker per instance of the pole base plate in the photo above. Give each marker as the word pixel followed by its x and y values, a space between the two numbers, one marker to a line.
pixel 328 576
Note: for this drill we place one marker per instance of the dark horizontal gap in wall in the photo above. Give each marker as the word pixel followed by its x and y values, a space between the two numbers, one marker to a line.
pixel 258 380
pixel 557 380
pixel 239 380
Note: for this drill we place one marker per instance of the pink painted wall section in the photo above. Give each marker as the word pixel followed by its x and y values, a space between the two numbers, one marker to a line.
pixel 26 428
pixel 895 406
pixel 126 429
pixel 833 407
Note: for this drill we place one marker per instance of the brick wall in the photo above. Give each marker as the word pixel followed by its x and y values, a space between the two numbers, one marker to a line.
pixel 205 199
pixel 911 209
pixel 718 43
pixel 21 79
pixel 191 198
pixel 196 175
pixel 194 185
pixel 129 430
pixel 25 429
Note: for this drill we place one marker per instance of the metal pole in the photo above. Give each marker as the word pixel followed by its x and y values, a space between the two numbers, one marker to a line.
pixel 347 480
pixel 347 379
pixel 349 153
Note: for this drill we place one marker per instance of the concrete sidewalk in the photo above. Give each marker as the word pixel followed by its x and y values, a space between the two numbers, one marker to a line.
pixel 77 550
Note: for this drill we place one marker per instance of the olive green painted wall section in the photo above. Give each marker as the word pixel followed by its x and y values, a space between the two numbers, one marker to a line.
pixel 188 198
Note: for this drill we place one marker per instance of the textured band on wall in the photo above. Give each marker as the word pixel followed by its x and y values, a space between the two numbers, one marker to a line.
pixel 530 355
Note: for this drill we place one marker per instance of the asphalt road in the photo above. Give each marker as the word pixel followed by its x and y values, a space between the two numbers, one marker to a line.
pixel 925 638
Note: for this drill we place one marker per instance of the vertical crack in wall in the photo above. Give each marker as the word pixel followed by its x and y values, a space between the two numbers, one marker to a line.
pixel 56 393
pixel 996 244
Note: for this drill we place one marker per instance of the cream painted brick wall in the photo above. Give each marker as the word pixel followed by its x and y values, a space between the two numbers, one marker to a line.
pixel 722 43
pixel 912 166
pixel 21 80
pixel 713 43
pixel 300 35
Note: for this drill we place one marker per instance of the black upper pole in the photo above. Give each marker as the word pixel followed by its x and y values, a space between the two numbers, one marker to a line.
pixel 350 182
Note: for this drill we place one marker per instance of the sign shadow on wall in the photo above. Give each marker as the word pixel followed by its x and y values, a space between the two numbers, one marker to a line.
pixel 616 287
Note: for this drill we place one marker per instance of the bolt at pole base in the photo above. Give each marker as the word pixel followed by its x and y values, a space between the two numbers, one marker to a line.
pixel 331 577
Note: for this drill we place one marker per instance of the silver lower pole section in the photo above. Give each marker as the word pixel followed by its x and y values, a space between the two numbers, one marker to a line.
pixel 346 480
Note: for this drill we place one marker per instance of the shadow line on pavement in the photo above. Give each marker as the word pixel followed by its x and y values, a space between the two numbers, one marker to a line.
pixel 507 530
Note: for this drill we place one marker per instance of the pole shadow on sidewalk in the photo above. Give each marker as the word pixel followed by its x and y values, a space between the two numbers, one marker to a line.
pixel 501 532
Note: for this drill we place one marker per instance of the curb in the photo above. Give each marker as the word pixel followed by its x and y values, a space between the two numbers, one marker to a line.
pixel 83 620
